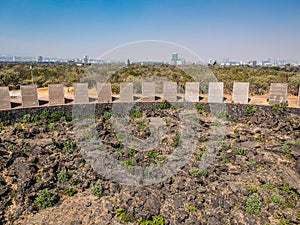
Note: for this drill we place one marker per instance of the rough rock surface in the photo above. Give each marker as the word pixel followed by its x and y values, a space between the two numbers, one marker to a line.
pixel 258 153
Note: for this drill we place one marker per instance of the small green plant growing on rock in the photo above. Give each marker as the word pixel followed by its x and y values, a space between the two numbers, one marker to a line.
pixel 237 151
pixel 252 189
pixel 282 105
pixel 132 152
pixel 197 172
pixel 222 114
pixel 10 148
pixel 176 140
pixel 287 150
pixel 107 115
pixel 69 145
pixel 268 186
pixel 253 204
pixel 199 154
pixel 4 123
pixel 191 208
pixel 163 105
pixel 128 164
pixel 252 163
pixel 122 215
pixel 51 126
pixel 284 222
pixel 69 191
pixel 224 157
pixel 73 181
pixel 258 138
pixel 202 198
pixel 291 193
pixel 298 215
pixel 200 108
pixel 62 176
pixel 25 119
pixel 154 220
pixel 136 113
pixel 97 189
pixel 152 154
pixel 250 109
pixel 277 199
pixel 45 198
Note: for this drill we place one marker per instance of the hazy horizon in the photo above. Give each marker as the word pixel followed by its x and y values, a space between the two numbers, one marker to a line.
pixel 240 30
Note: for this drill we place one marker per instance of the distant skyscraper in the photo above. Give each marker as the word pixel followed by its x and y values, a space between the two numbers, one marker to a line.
pixel 16 59
pixel 39 59
pixel 85 60
pixel 174 58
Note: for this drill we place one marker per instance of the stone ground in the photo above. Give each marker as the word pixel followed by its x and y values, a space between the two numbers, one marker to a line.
pixel 257 156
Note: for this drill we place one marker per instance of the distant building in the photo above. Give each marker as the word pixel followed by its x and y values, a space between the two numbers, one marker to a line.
pixel 85 60
pixel 181 62
pixel 16 59
pixel 39 59
pixel 174 58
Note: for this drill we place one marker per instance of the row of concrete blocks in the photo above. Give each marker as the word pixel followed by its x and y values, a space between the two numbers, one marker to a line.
pixel 29 94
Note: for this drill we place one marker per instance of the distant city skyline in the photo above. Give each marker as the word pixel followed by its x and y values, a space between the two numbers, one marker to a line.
pixel 176 59
pixel 215 29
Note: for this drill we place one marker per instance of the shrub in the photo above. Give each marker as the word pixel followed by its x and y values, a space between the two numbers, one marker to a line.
pixel 222 114
pixel 268 186
pixel 238 151
pixel 132 152
pixel 25 119
pixel 69 145
pixel 253 204
pixel 191 208
pixel 200 108
pixel 284 222
pixel 224 157
pixel 135 113
pixel 292 194
pixel 121 214
pixel 62 176
pixel 56 116
pixel 97 189
pixel 298 215
pixel 154 220
pixel 176 140
pixel 69 191
pixel 277 199
pixel 282 105
pixel 250 109
pixel 152 154
pixel 196 172
pixel 287 150
pixel 163 105
pixel 128 164
pixel 107 115
pixel 45 198
pixel 252 189
pixel 51 126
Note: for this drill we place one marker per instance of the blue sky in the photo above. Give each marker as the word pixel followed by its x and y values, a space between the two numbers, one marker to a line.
pixel 238 29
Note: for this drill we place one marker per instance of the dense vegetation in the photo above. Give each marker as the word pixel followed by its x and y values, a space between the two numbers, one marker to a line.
pixel 14 75
pixel 260 78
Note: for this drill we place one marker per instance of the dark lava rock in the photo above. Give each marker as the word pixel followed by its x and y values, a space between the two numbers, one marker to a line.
pixel 297 167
